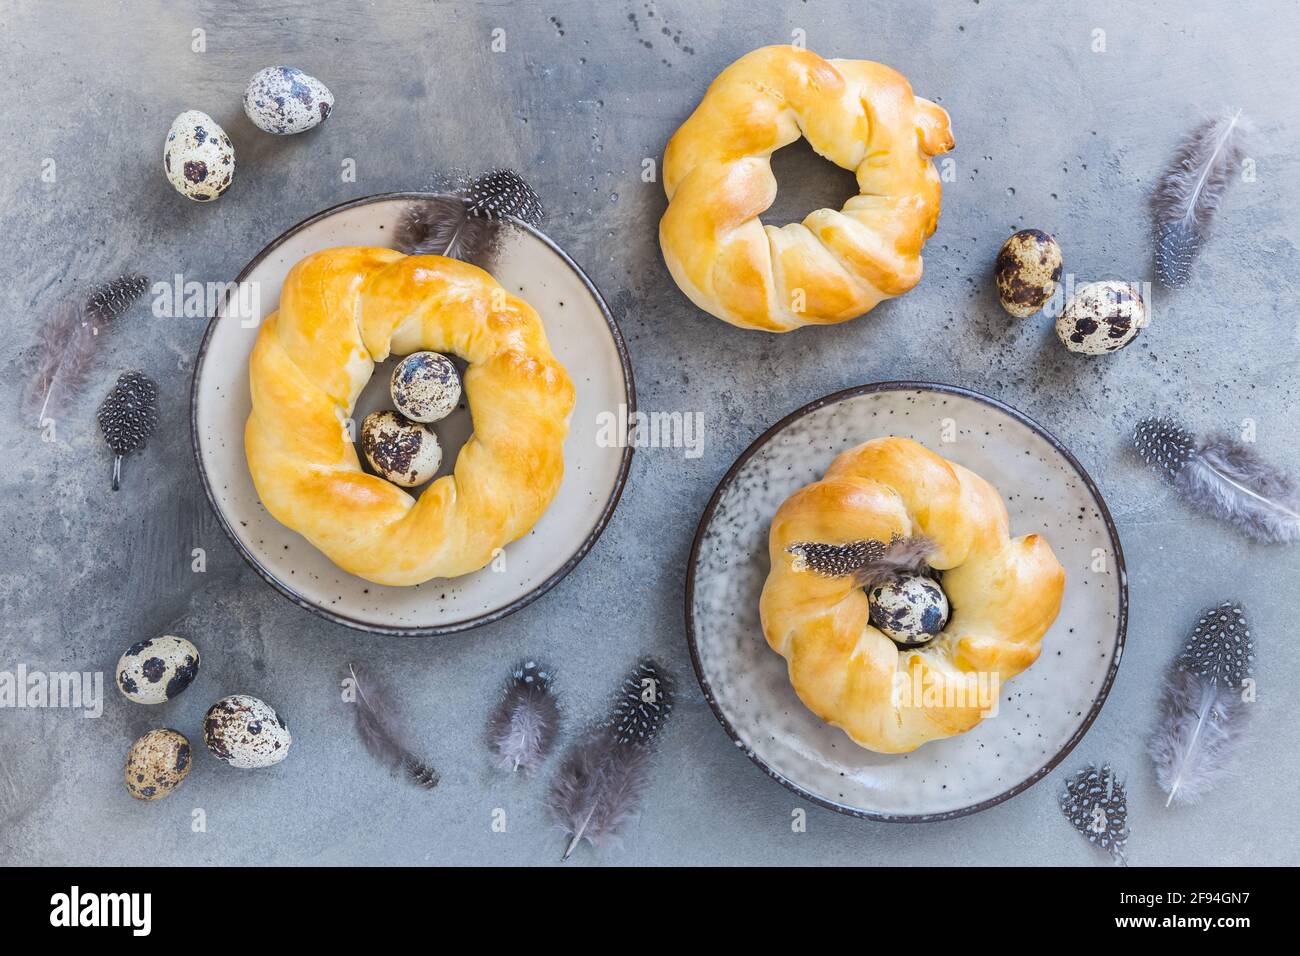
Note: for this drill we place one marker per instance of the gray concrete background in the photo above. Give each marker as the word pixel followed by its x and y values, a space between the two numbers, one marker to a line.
pixel 1049 134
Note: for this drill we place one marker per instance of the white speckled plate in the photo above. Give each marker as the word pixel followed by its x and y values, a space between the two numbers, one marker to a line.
pixel 1043 712
pixel 584 337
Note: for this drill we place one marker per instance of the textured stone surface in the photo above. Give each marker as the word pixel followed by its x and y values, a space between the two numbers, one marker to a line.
pixel 1049 135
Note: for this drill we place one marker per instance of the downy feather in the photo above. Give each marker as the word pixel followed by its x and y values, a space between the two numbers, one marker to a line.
pixel 1224 478
pixel 1202 713
pixel 599 788
pixel 377 725
pixel 1188 194
pixel 524 726
pixel 1201 724
pixel 68 340
pixel 1228 480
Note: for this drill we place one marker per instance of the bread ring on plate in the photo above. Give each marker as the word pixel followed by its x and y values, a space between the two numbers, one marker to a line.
pixel 835 265
pixel 1004 593
pixel 341 311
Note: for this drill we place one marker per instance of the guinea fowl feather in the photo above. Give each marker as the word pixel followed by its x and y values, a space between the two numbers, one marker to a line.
pixel 598 789
pixel 1188 195
pixel 1203 713
pixel 1095 802
pixel 869 561
pixel 524 726
pixel 466 224
pixel 1223 477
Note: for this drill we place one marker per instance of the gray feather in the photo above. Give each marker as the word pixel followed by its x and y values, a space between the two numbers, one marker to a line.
pixel 1228 480
pixel 903 556
pixel 524 726
pixel 378 727
pixel 65 347
pixel 1224 478
pixel 1201 724
pixel 1189 192
pixel 1202 714
pixel 443 226
pixel 68 341
pixel 598 790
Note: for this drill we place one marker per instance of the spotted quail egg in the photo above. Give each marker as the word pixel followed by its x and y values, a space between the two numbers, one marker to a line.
pixel 407 453
pixel 425 386
pixel 910 609
pixel 285 100
pixel 156 764
pixel 198 157
pixel 1102 317
pixel 246 732
pixel 157 669
pixel 1028 271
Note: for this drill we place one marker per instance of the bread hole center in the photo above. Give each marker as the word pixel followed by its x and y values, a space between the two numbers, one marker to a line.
pixel 805 182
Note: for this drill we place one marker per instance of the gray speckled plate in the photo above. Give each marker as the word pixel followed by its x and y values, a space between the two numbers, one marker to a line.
pixel 1043 712
pixel 584 337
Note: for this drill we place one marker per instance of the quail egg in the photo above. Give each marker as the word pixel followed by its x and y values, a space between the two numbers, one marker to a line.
pixel 1102 317
pixel 157 669
pixel 198 157
pixel 1028 271
pixel 425 387
pixel 407 453
pixel 246 732
pixel 156 764
pixel 910 609
pixel 284 100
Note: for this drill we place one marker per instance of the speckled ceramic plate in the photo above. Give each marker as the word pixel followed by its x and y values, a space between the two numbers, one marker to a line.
pixel 583 335
pixel 1043 712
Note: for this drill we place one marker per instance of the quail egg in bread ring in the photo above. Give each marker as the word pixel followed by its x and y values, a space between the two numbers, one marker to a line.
pixel 1028 271
pixel 156 764
pixel 246 732
pixel 157 669
pixel 1102 317
pixel 909 609
pixel 425 387
pixel 404 452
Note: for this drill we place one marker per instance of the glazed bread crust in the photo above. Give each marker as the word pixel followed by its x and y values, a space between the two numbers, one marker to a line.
pixel 836 264
pixel 1004 592
pixel 342 310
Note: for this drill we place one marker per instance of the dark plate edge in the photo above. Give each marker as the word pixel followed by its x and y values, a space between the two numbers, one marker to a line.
pixel 468 623
pixel 1120 635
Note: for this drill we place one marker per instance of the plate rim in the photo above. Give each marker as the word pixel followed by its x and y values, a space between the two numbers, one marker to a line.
pixel 455 627
pixel 870 388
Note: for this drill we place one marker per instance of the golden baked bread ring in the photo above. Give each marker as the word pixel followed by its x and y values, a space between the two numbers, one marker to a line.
pixel 835 265
pixel 342 310
pixel 1004 595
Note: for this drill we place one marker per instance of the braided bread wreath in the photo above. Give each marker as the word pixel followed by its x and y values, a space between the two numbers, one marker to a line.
pixel 341 311
pixel 835 265
pixel 1004 593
